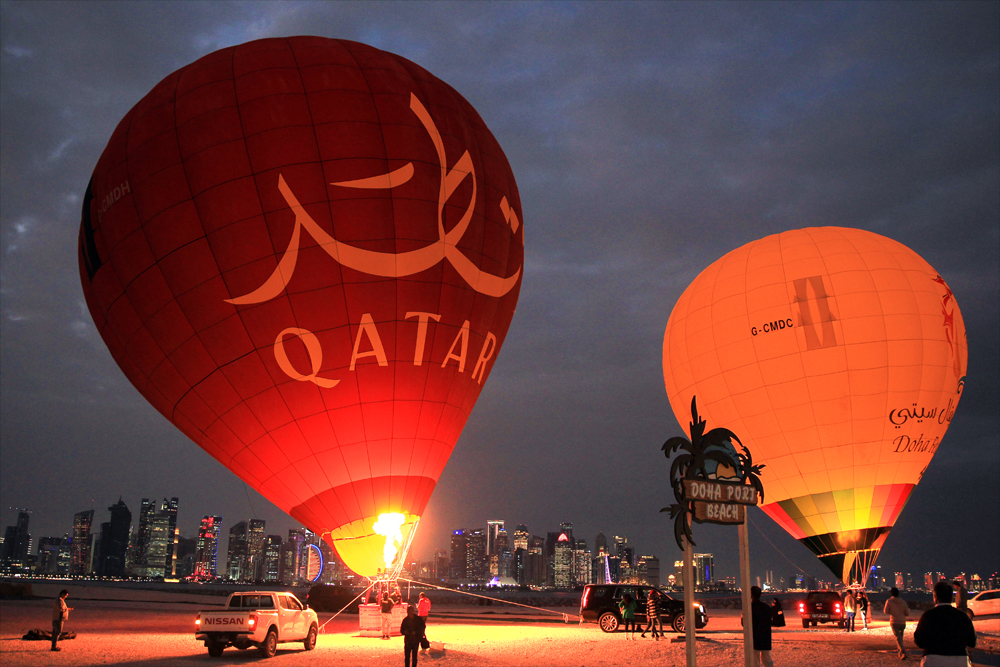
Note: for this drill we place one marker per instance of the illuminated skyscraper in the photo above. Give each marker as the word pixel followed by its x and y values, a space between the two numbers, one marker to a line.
pixel 459 568
pixel 255 550
pixel 16 543
pixel 475 557
pixel 236 563
pixel 581 564
pixel 79 550
pixel 493 527
pixel 600 544
pixel 207 554
pixel 272 558
pixel 704 570
pixel 648 570
pixel 562 575
pixel 521 537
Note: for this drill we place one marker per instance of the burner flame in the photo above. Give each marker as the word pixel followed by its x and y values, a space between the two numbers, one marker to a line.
pixel 389 526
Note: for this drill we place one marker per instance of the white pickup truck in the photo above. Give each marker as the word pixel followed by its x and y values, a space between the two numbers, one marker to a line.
pixel 257 618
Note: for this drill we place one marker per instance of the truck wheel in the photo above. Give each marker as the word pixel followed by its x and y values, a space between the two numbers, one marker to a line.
pixel 215 649
pixel 805 623
pixel 608 622
pixel 678 623
pixel 310 641
pixel 269 646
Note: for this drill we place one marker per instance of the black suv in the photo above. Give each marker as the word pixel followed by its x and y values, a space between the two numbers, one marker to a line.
pixel 822 607
pixel 599 604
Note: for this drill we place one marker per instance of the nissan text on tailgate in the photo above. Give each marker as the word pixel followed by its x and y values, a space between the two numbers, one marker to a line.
pixel 262 619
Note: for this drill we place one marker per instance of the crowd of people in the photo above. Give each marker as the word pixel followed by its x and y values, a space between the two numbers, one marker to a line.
pixel 945 632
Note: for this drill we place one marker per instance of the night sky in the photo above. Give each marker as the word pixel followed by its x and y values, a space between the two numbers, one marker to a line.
pixel 647 141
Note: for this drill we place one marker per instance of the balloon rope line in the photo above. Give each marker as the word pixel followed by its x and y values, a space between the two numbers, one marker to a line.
pixel 346 606
pixel 801 571
pixel 476 595
pixel 247 492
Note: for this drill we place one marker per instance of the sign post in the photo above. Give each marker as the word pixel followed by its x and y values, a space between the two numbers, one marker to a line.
pixel 705 497
pixel 689 621
pixel 748 653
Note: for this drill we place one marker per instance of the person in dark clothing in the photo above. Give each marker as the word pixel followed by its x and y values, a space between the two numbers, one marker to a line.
pixel 60 612
pixel 386 606
pixel 777 614
pixel 945 633
pixel 760 618
pixel 412 630
pixel 961 596
pixel 652 614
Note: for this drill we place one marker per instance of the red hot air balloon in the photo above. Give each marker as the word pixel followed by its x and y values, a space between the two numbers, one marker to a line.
pixel 306 253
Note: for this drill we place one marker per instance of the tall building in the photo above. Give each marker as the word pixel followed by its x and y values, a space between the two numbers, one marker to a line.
pixel 475 557
pixel 171 536
pixel 566 528
pixel 292 561
pixel 704 570
pixel 115 536
pixel 236 568
pixel 155 539
pixel 582 562
pixel 143 534
pixel 493 528
pixel 17 543
pixel 459 568
pixel 600 544
pixel 255 550
pixel 79 549
pixel 271 558
pixel 562 558
pixel 648 570
pixel 521 537
pixel 502 541
pixel 49 549
pixel 206 560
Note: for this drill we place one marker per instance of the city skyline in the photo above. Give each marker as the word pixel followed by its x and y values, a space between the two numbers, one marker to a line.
pixel 224 553
pixel 647 141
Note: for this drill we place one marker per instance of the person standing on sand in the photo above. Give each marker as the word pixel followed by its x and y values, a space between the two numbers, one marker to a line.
pixel 945 633
pixel 60 613
pixel 863 606
pixel 652 614
pixel 850 610
pixel 627 607
pixel 961 596
pixel 760 619
pixel 898 610
pixel 386 609
pixel 424 611
pixel 412 629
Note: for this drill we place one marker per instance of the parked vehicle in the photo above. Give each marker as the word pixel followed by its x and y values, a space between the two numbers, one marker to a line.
pixel 822 607
pixel 260 618
pixel 599 604
pixel 987 602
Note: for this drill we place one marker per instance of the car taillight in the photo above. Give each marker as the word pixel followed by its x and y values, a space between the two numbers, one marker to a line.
pixel 586 594
pixel 802 607
pixel 836 606
pixel 253 621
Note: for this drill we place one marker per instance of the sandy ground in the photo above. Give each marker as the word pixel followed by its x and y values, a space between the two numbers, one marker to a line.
pixel 148 633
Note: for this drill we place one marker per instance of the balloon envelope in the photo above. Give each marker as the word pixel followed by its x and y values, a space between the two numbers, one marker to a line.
pixel 838 356
pixel 306 254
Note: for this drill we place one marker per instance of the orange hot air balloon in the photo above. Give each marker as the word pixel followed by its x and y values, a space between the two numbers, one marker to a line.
pixel 306 254
pixel 838 356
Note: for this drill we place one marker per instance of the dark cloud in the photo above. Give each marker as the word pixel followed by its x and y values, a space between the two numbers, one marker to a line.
pixel 648 140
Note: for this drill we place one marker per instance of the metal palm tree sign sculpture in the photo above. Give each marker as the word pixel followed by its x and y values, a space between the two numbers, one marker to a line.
pixel 711 480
